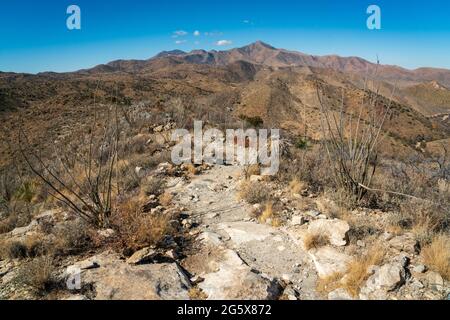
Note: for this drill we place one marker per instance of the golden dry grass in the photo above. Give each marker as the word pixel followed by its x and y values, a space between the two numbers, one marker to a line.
pixel 437 255
pixel 315 241
pixel 137 230
pixel 296 186
pixel 252 170
pixel 253 192
pixel 165 199
pixel 197 294
pixel 267 213
pixel 357 270
pixel 325 285
pixel 355 276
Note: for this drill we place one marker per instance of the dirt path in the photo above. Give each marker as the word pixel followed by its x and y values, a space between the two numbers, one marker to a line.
pixel 223 222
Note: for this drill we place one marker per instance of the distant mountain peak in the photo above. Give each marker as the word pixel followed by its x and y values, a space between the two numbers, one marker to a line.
pixel 170 53
pixel 260 45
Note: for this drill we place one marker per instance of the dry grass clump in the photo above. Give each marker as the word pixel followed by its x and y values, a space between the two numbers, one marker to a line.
pixel 37 273
pixel 328 284
pixel 153 186
pixel 252 170
pixel 136 229
pixel 197 294
pixel 315 241
pixel 437 255
pixel 191 169
pixel 254 192
pixel 72 237
pixel 356 274
pixel 32 246
pixel 296 186
pixel 424 219
pixel 165 199
pixel 358 269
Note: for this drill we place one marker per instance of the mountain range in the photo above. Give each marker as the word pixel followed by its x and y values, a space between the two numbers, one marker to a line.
pixel 277 85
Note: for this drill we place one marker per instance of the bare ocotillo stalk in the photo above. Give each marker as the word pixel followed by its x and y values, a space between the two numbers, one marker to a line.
pixel 351 141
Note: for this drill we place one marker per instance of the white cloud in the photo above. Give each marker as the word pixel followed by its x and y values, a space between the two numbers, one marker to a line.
pixel 180 41
pixel 224 42
pixel 179 33
pixel 196 33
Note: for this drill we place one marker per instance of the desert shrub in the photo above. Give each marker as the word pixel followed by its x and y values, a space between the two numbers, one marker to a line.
pixel 128 179
pixel 315 241
pixel 82 174
pixel 301 143
pixel 30 247
pixel 436 255
pixel 72 237
pixel 351 141
pixel 252 121
pixel 26 191
pixel 254 192
pixel 153 186
pixel 136 229
pixel 38 273
pixel 423 218
pixel 308 166
pixel 165 199
pixel 252 170
pixel 9 183
pixel 14 250
pixel 296 186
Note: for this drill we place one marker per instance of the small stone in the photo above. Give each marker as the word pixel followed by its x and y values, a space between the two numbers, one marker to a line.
pixel 106 233
pixel 420 268
pixel 142 256
pixel 339 294
pixel 387 236
pixel 435 281
pixel 313 213
pixel 360 243
pixel 255 178
pixel 297 221
pixel 290 293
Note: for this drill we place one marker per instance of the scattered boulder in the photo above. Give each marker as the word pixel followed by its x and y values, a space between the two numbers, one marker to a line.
pixel 339 294
pixel 420 268
pixel 328 261
pixel 142 256
pixel 385 279
pixel 405 242
pixel 234 280
pixel 335 229
pixel 297 221
pixel 435 280
pixel 115 279
pixel 242 232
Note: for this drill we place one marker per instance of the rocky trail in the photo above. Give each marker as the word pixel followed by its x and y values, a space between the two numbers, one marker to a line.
pixel 236 248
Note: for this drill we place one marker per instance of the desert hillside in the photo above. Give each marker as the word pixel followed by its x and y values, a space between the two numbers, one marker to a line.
pixel 359 208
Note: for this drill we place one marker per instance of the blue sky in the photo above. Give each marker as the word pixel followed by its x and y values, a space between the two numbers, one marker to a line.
pixel 34 36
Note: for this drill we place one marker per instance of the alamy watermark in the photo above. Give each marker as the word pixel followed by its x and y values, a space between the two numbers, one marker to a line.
pixel 244 147
pixel 374 20
pixel 73 22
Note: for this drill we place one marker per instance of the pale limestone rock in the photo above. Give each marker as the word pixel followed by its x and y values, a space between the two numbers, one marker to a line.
pixel 142 256
pixel 234 280
pixel 328 261
pixel 335 229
